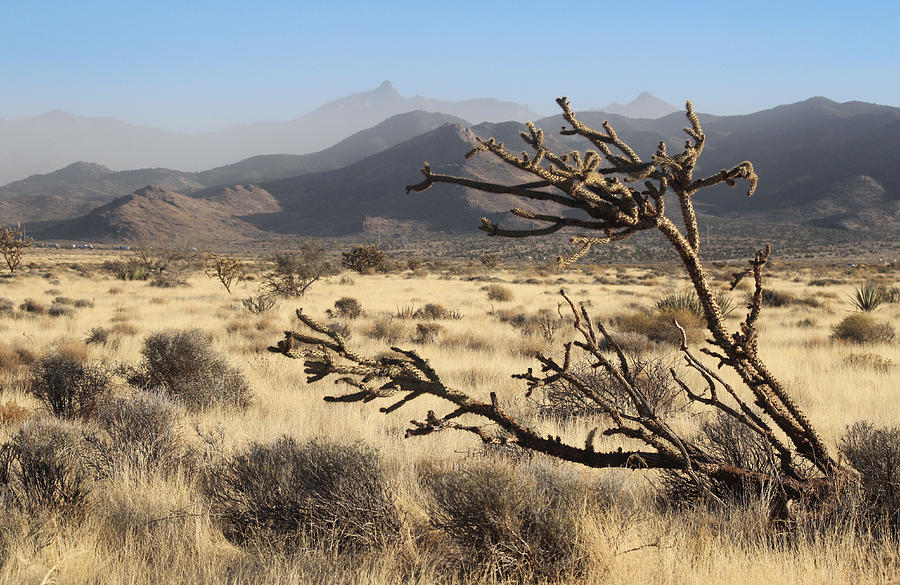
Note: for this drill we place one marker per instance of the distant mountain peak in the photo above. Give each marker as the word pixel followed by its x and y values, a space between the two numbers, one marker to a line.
pixel 645 105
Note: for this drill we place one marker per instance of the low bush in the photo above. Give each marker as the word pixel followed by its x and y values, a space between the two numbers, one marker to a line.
pixel 434 311
pixel 12 414
pixel 511 522
pixel 871 361
pixel 658 326
pixel 318 492
pixel 499 293
pixel 61 311
pixel 143 432
pixel 346 308
pixel 183 364
pixel 260 303
pixel 774 298
pixel 44 466
pixel 32 306
pixel 862 328
pixel 875 453
pixel 66 387
pixel 363 259
pixel 563 400
pixel 386 329
pixel 97 335
pixel 427 332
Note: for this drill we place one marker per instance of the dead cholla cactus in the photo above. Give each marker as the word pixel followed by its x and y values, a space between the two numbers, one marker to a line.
pixel 611 193
pixel 12 242
pixel 227 270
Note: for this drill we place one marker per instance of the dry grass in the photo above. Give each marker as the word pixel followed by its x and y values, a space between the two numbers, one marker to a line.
pixel 145 526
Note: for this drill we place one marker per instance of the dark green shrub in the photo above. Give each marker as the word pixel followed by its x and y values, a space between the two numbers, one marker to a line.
pixel 363 259
pixel 427 332
pixel 318 492
pixel 346 308
pixel 774 298
pixel 97 335
pixel 295 272
pixel 183 364
pixel 68 387
pixel 863 328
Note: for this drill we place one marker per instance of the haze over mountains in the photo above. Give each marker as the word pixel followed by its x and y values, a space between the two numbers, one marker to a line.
pixel 56 139
pixel 821 163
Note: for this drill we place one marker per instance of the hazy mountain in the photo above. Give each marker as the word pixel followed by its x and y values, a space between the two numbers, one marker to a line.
pixel 97 183
pixel 155 212
pixel 821 163
pixel 340 202
pixel 645 105
pixel 56 139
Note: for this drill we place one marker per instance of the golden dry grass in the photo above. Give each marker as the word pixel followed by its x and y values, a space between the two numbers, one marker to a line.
pixel 157 529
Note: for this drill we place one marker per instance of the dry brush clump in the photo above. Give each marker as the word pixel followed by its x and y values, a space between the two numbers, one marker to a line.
pixel 612 193
pixel 364 259
pixel 183 364
pixel 68 388
pixel 319 493
pixel 13 243
pixel 508 521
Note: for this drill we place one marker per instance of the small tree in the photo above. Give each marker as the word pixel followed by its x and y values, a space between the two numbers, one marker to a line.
pixel 363 259
pixel 159 255
pixel 614 194
pixel 295 272
pixel 227 270
pixel 12 242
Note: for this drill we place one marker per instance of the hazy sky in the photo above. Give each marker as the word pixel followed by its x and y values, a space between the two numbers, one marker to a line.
pixel 212 64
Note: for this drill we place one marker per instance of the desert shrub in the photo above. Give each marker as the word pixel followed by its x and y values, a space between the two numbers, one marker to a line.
pixel 97 335
pixel 260 303
pixel 33 306
pixel 385 329
pixel 295 272
pixel 346 308
pixel 434 311
pixel 6 307
pixel 774 298
pixel 44 466
pixel 499 293
pixel 688 301
pixel 875 453
pixel 563 400
pixel 862 328
pixel 891 294
pixel 12 414
pixel 363 259
pixel 61 311
pixel 183 364
pixel 489 260
pixel 513 523
pixel 67 387
pixel 824 281
pixel 170 279
pixel 318 492
pixel 63 301
pixel 130 270
pixel 142 430
pixel 871 361
pixel 82 303
pixel 658 326
pixel 733 443
pixel 868 297
pixel 427 332
pixel 341 328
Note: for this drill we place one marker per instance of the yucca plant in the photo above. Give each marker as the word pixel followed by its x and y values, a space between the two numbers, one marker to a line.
pixel 688 301
pixel 868 297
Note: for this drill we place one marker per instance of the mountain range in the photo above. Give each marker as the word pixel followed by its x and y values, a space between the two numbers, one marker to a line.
pixel 821 164
pixel 56 139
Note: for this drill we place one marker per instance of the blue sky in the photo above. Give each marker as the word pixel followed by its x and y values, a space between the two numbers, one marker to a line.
pixel 212 64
